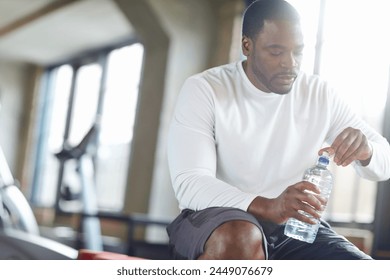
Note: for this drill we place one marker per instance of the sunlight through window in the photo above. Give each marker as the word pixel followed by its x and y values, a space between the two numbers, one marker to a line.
pixel 355 59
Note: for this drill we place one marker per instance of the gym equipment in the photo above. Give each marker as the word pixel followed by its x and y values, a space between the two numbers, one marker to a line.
pixel 15 211
pixel 89 233
pixel 20 245
pixel 92 238
pixel 19 232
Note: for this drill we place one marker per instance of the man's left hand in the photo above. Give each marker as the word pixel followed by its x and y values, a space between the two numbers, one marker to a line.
pixel 350 145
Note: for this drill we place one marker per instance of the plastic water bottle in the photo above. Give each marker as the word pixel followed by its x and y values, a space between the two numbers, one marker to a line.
pixel 320 176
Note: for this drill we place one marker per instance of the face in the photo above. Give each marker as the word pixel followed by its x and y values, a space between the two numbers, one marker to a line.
pixel 274 56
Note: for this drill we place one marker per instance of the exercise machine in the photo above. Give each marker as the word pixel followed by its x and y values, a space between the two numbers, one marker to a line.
pixel 19 231
pixel 15 211
pixel 90 223
pixel 89 232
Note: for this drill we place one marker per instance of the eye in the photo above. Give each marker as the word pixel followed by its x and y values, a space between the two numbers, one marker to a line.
pixel 298 53
pixel 276 52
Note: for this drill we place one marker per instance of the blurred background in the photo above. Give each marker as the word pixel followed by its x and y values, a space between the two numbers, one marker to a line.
pixel 117 66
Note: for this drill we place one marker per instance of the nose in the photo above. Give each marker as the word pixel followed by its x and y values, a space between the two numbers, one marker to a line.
pixel 289 60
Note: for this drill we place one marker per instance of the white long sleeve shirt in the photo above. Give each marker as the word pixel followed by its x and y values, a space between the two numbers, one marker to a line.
pixel 230 142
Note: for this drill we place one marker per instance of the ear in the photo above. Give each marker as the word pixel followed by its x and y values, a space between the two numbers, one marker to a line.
pixel 246 44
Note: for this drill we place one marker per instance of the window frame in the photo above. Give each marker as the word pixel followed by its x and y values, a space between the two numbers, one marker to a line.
pixel 98 56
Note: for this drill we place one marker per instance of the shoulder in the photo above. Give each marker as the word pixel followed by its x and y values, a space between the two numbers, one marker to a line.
pixel 212 81
pixel 317 91
pixel 216 75
pixel 311 82
pixel 313 86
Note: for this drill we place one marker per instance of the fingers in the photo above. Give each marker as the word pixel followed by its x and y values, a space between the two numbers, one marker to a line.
pixel 350 145
pixel 307 214
pixel 329 150
pixel 310 202
pixel 303 202
pixel 345 146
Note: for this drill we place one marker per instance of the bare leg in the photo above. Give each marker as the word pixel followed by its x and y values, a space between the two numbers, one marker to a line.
pixel 234 240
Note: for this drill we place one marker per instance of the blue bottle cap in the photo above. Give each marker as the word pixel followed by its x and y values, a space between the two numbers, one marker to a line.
pixel 324 160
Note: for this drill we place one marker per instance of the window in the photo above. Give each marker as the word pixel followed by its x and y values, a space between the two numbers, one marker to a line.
pixel 118 118
pixel 354 56
pixel 101 87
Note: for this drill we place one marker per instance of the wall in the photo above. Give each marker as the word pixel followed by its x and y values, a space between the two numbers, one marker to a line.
pixel 381 244
pixel 177 40
pixel 188 25
pixel 14 81
pixel 199 36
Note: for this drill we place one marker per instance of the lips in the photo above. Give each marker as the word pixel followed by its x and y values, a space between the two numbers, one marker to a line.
pixel 286 78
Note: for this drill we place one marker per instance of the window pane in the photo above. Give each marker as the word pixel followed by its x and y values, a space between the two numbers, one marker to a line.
pixel 309 12
pixel 120 102
pixel 59 99
pixel 117 120
pixel 83 115
pixel 356 60
pixel 85 102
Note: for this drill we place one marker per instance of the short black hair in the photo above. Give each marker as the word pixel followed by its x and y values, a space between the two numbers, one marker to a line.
pixel 261 10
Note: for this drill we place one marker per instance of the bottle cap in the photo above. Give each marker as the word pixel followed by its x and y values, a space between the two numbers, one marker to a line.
pixel 324 158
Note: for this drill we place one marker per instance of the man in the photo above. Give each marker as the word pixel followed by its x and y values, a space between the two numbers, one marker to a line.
pixel 242 135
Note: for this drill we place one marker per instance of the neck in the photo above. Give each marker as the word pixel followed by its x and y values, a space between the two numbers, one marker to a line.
pixel 253 78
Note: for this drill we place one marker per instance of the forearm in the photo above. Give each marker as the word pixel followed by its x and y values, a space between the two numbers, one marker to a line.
pixel 197 189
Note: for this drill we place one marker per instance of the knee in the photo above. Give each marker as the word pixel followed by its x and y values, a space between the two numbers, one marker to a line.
pixel 235 240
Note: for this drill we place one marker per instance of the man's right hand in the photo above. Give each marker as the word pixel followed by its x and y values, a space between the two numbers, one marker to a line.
pixel 302 196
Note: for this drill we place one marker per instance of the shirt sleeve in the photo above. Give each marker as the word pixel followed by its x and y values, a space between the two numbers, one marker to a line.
pixel 342 117
pixel 192 153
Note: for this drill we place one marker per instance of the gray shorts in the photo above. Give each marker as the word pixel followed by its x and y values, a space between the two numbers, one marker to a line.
pixel 189 232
